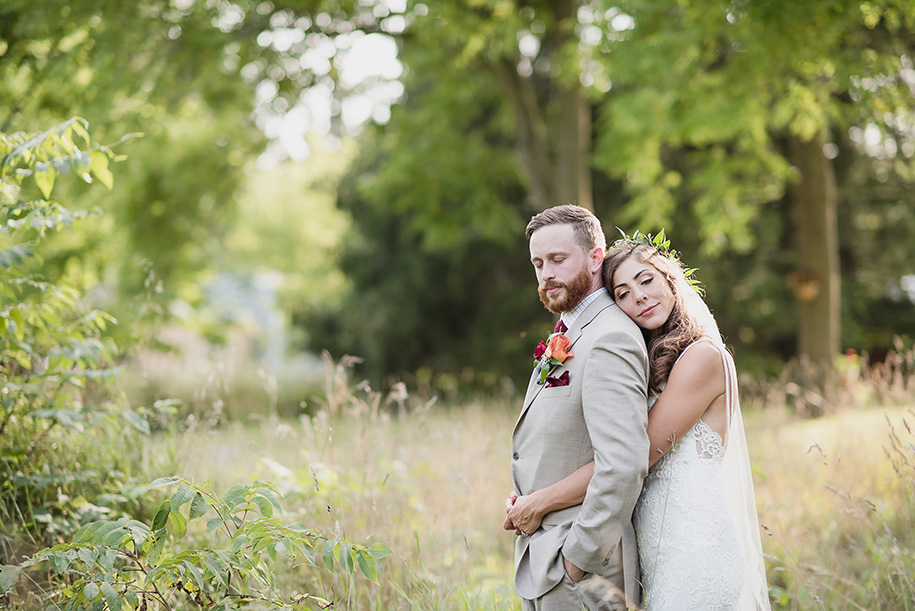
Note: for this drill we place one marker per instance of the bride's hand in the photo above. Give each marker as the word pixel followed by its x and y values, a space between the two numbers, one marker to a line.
pixel 526 514
pixel 509 502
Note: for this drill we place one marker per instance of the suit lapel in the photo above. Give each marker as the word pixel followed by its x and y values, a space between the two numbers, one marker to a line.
pixel 574 334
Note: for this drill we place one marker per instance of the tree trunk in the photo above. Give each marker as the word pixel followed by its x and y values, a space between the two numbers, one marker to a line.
pixel 816 282
pixel 553 132
pixel 573 175
pixel 572 126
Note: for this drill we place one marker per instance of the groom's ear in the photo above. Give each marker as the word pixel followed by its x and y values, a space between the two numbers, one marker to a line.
pixel 596 259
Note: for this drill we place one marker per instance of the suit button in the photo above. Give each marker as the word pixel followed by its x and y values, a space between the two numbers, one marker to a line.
pixel 515 455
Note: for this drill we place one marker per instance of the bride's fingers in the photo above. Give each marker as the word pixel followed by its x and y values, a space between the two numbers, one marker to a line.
pixel 510 501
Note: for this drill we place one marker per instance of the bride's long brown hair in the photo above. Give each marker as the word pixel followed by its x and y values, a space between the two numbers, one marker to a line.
pixel 666 343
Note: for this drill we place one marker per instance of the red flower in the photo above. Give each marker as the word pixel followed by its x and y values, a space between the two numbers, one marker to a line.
pixel 539 350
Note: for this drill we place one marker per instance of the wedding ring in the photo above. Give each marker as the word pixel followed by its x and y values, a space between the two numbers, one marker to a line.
pixel 524 534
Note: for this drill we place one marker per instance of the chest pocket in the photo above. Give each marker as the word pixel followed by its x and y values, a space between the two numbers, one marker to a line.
pixel 555 392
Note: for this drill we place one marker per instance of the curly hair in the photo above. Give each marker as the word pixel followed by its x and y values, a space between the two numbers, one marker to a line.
pixel 666 343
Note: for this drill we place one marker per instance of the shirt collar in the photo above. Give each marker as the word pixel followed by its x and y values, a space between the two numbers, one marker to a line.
pixel 569 317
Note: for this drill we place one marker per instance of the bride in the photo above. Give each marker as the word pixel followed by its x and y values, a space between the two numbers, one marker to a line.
pixel 695 520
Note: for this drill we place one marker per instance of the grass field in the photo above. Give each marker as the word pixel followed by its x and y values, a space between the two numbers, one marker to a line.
pixel 834 496
pixel 835 493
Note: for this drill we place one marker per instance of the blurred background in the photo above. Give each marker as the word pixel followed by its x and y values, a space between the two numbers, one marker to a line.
pixel 356 176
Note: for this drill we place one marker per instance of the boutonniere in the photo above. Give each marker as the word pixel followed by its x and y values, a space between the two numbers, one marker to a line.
pixel 552 353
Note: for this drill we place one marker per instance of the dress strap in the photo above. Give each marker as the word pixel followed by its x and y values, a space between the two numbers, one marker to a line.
pixel 730 381
pixel 698 341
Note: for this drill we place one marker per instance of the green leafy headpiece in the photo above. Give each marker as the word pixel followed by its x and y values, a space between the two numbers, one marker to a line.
pixel 660 243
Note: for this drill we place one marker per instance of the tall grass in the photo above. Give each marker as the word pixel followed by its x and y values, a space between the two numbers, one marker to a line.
pixel 429 483
pixel 835 493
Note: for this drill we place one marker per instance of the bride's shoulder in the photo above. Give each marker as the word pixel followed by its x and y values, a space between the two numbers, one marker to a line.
pixel 701 358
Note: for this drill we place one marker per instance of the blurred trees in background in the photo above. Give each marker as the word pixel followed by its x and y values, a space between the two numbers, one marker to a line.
pixel 750 131
pixel 772 140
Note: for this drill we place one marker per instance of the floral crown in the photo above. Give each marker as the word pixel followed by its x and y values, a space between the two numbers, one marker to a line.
pixel 662 245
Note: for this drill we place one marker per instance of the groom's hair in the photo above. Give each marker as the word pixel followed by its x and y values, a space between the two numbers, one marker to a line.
pixel 588 232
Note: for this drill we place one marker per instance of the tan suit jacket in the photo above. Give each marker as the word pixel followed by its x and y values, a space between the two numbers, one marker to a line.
pixel 602 415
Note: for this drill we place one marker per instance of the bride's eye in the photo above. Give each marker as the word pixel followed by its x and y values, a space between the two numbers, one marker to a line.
pixel 647 280
pixel 621 295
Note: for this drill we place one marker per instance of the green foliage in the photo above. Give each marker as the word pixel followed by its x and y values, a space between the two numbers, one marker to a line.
pixel 56 356
pixel 56 368
pixel 130 564
pixel 693 137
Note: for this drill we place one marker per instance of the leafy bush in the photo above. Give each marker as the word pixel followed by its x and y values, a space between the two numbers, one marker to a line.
pixel 127 563
pixel 63 439
pixel 56 361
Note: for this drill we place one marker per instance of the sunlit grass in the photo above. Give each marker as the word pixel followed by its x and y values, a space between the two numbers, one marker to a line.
pixel 431 484
pixel 836 494
pixel 838 505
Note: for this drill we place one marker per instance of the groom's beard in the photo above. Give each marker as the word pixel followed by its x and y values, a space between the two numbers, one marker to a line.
pixel 574 291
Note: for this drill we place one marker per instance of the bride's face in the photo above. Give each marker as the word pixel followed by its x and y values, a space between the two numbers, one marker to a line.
pixel 642 293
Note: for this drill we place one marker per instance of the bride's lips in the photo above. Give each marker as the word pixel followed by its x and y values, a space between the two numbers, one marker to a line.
pixel 647 311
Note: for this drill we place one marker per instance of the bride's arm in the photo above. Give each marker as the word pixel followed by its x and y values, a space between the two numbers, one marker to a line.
pixel 695 381
pixel 527 511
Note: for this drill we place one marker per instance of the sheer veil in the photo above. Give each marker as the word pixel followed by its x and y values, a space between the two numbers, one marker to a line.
pixel 737 475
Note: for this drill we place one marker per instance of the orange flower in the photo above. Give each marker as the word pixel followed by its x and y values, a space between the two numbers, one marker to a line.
pixel 558 347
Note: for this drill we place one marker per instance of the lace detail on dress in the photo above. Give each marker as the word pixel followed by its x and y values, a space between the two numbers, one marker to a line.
pixel 708 442
pixel 688 549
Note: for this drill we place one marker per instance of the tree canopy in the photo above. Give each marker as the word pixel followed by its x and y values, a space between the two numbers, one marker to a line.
pixel 773 141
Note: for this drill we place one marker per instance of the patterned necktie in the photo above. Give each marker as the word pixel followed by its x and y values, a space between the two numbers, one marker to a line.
pixel 560 327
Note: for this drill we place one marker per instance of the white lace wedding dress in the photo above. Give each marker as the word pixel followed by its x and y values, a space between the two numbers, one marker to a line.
pixel 691 554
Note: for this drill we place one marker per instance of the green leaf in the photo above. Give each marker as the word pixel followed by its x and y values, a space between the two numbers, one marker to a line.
pixel 44 178
pixel 155 547
pixel 115 538
pixel 161 515
pixel 217 567
pixel 87 555
pixel 100 169
pixel 60 562
pixel 195 573
pixel 380 550
pixel 106 560
pixel 239 542
pixel 234 496
pixel 199 506
pixel 367 565
pixel 9 575
pixel 214 524
pixel 162 481
pixel 82 161
pixel 179 524
pixel 266 508
pixel 111 597
pixel 91 591
pixel 329 555
pixel 182 495
pixel 345 555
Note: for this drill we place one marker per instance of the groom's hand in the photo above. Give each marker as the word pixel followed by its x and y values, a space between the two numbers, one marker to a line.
pixel 574 573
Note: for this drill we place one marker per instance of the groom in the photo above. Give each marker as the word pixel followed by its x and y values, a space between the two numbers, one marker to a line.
pixel 592 406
